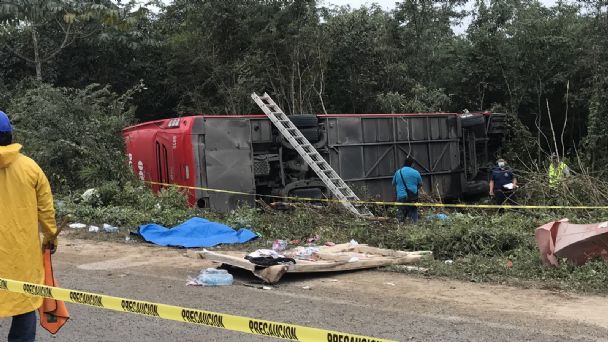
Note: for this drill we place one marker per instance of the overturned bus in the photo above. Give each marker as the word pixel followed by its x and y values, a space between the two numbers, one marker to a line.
pixel 246 154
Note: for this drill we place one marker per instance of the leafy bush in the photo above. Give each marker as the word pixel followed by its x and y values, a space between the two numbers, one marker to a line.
pixel 127 206
pixel 75 135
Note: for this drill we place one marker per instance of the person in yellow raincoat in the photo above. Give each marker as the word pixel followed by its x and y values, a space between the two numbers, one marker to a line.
pixel 26 205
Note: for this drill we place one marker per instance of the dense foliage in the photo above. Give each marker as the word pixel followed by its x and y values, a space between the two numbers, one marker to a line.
pixel 74 134
pixel 547 65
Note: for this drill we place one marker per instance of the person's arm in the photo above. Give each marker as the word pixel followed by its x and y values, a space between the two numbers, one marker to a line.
pixel 491 187
pixel 46 210
pixel 513 179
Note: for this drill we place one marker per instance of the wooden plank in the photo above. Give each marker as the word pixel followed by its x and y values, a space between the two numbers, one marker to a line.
pixel 332 259
pixel 271 274
pixel 315 267
pixel 229 259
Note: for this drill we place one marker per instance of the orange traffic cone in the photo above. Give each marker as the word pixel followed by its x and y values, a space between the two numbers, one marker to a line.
pixel 53 313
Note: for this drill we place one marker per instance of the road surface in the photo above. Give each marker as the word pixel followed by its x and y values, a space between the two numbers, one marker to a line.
pixel 380 304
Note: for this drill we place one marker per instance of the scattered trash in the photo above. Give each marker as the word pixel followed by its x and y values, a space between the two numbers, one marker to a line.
pixel 313 239
pixel 59 204
pixel 331 280
pixel 579 243
pixel 509 264
pixel 109 228
pixel 90 195
pixel 354 242
pixel 391 284
pixel 329 244
pixel 77 225
pixel 127 238
pixel 305 253
pixel 294 242
pixel 306 288
pixel 268 257
pixel 212 277
pixel 279 245
pixel 261 253
pixel 266 288
pixel 449 262
pixel 353 259
pixel 411 268
pixel 440 216
pixel 93 229
pixel 330 259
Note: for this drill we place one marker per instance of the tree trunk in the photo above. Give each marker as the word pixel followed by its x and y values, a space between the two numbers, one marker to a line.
pixel 37 60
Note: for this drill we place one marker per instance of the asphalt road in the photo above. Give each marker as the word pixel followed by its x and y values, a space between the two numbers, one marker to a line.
pixel 379 304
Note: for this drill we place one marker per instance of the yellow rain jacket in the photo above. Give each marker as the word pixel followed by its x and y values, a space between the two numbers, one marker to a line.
pixel 25 202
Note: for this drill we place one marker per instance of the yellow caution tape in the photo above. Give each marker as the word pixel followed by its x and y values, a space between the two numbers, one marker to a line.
pixel 431 205
pixel 207 318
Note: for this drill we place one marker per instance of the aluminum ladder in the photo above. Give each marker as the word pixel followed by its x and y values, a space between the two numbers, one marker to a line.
pixel 311 156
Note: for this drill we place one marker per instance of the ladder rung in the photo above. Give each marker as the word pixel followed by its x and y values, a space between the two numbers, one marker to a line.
pixel 311 156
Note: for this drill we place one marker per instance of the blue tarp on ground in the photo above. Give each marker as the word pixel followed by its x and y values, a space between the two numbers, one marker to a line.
pixel 196 232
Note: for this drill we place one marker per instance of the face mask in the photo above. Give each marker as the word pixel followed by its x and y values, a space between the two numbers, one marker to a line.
pixel 501 164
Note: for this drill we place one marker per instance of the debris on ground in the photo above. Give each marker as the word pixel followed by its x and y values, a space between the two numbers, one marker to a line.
pixel 195 232
pixel 411 268
pixel 90 195
pixel 330 259
pixel 578 243
pixel 93 229
pixel 279 245
pixel 77 225
pixel 108 228
pixel 268 257
pixel 212 277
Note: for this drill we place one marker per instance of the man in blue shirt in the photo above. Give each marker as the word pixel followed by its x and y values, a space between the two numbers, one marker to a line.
pixel 502 183
pixel 407 181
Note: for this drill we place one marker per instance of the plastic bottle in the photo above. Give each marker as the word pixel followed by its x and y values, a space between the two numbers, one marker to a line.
pixel 215 277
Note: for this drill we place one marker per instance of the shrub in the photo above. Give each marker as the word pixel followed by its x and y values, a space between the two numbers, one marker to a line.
pixel 75 135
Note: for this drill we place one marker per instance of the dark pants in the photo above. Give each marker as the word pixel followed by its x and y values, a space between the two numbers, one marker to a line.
pixel 407 212
pixel 23 328
pixel 504 197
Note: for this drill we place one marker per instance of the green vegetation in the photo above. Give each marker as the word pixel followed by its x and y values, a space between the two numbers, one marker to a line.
pixel 73 74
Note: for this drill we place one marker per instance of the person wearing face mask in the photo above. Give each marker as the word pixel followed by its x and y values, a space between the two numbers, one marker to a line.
pixel 502 184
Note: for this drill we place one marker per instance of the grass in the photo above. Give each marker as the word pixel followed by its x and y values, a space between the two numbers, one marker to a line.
pixel 479 243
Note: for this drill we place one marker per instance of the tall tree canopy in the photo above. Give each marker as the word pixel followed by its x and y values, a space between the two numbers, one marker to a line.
pixel 546 65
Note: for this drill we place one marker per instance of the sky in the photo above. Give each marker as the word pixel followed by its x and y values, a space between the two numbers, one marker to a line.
pixel 390 4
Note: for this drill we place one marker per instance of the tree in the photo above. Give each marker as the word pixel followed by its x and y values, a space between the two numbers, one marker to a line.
pixel 38 30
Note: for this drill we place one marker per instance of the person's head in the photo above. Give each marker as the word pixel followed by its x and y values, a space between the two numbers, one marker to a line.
pixel 501 162
pixel 554 158
pixel 409 161
pixel 6 130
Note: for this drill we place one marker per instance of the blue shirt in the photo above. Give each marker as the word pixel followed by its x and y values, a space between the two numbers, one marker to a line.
pixel 501 177
pixel 411 177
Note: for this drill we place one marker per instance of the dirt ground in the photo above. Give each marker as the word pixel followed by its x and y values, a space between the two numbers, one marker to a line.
pixel 380 304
